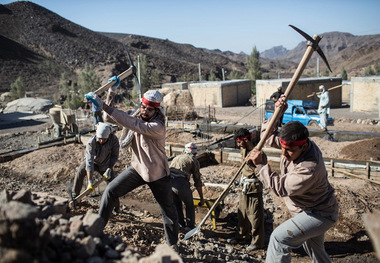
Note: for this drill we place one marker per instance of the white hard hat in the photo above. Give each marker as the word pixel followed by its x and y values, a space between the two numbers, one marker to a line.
pixel 322 87
pixel 191 148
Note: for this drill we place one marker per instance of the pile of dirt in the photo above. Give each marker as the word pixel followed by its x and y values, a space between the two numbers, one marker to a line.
pixel 362 150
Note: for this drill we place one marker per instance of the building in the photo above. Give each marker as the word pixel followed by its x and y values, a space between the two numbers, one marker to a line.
pixel 302 90
pixel 221 93
pixel 365 94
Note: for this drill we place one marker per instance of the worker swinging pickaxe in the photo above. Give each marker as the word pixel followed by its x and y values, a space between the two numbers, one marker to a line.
pixel 312 44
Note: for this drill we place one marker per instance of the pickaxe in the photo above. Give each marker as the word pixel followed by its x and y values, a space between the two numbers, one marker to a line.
pixel 74 201
pixel 312 44
pixel 335 87
pixel 123 75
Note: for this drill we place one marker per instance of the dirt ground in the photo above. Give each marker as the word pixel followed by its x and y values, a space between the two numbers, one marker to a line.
pixel 140 225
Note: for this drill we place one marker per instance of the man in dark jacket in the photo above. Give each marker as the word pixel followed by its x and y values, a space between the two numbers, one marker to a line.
pixel 102 152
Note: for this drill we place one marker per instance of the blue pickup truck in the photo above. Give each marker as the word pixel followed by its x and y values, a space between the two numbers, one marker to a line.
pixel 299 110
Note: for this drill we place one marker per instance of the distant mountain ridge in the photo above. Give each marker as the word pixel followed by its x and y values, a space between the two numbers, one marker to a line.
pixel 40 45
pixel 274 52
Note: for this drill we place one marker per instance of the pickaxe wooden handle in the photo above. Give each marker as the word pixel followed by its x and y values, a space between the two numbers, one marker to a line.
pixel 123 75
pixel 312 46
pixel 106 176
pixel 335 87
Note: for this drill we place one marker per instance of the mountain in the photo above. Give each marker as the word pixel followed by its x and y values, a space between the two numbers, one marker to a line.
pixel 274 52
pixel 342 50
pixel 39 46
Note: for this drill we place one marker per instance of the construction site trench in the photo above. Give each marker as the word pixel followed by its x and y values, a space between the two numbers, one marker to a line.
pixel 38 178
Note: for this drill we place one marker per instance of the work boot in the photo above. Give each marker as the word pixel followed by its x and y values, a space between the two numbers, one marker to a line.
pixel 238 240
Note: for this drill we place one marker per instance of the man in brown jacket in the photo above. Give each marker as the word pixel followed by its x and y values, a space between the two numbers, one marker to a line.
pixel 305 188
pixel 149 163
pixel 182 168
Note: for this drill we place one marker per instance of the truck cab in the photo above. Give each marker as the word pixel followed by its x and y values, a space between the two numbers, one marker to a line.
pixel 298 110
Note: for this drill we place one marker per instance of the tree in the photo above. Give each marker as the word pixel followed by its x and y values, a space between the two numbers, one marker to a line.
pixel 326 73
pixel 234 75
pixel 212 76
pixel 377 68
pixel 18 89
pixel 344 74
pixel 254 67
pixel 369 71
pixel 87 80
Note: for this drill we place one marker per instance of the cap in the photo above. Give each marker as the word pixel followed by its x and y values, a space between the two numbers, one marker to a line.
pixel 322 87
pixel 152 98
pixel 191 148
pixel 103 130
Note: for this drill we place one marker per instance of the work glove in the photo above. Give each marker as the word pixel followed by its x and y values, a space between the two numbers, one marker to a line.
pixel 94 99
pixel 113 88
pixel 90 186
pixel 107 174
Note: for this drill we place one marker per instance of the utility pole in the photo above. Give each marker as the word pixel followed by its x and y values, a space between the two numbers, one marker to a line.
pixel 138 69
pixel 199 69
pixel 317 67
pixel 223 74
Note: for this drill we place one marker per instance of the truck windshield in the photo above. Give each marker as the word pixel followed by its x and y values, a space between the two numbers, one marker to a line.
pixel 311 111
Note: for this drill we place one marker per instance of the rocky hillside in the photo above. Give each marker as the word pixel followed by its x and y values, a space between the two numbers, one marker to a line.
pixel 39 45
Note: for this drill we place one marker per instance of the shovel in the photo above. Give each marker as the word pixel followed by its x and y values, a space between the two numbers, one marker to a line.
pixel 312 44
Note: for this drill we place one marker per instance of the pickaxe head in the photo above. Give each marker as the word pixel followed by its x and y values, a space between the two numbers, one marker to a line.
pixel 134 72
pixel 312 42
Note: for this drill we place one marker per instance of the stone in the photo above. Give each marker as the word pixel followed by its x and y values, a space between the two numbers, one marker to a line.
pixel 23 196
pixel 93 224
pixel 88 246
pixel 76 226
pixel 16 211
pixel 4 197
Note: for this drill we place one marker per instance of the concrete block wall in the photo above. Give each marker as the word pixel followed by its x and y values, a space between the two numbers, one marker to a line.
pixel 303 88
pixel 220 93
pixel 365 94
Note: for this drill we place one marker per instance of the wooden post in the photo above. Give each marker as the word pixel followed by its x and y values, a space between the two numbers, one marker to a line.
pixel 220 155
pixel 332 167
pixel 368 170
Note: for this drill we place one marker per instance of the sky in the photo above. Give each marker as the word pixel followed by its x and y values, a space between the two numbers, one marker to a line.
pixel 233 25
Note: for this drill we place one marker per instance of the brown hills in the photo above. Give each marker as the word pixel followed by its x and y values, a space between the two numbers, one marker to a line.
pixel 40 45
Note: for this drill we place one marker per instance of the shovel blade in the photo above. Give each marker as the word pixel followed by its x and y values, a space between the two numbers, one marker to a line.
pixel 191 233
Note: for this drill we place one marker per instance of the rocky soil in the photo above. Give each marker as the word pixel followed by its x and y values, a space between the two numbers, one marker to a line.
pixel 136 234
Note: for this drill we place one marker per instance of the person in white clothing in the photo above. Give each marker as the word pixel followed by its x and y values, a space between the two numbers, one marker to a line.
pixel 324 107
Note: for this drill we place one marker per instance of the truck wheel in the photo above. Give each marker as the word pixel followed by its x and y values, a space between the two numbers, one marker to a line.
pixel 313 124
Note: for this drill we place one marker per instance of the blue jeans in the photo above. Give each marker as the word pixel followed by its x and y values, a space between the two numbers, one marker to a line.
pixel 182 193
pixel 305 229
pixel 129 180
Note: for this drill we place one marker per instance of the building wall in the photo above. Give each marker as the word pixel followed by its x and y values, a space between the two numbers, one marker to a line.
pixel 365 94
pixel 303 88
pixel 176 85
pixel 220 93
pixel 206 94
